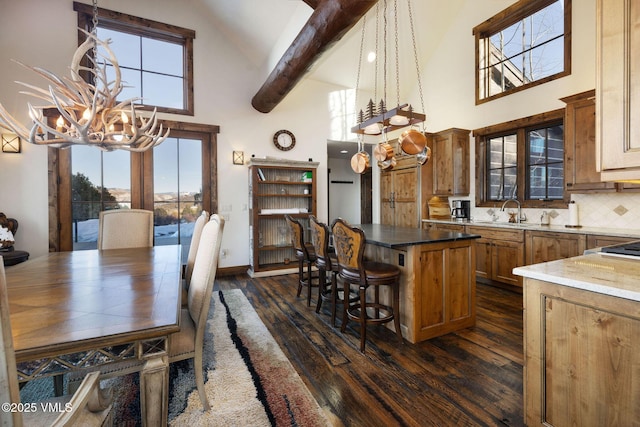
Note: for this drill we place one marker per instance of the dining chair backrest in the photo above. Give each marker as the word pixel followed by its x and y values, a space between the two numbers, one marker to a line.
pixel 204 273
pixel 90 406
pixel 297 236
pixel 125 228
pixel 349 243
pixel 193 246
pixel 320 240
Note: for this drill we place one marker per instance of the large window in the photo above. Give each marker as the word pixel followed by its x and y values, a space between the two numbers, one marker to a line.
pixel 156 59
pixel 522 159
pixel 527 44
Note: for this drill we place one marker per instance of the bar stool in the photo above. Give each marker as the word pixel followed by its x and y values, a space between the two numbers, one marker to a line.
pixel 305 254
pixel 349 243
pixel 326 261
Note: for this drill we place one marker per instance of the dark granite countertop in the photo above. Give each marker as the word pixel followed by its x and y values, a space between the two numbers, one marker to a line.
pixel 394 237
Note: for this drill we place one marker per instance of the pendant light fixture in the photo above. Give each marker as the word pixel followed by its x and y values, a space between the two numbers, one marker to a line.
pixel 86 112
pixel 377 119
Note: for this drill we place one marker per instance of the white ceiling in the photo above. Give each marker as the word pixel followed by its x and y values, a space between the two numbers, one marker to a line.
pixel 264 29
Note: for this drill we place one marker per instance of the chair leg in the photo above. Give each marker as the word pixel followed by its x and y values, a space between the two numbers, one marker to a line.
pixel 345 305
pixel 334 298
pixel 322 278
pixel 308 283
pixel 197 365
pixel 300 276
pixel 363 317
pixel 58 385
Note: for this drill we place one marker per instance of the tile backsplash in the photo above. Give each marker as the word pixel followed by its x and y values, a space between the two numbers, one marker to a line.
pixel 606 210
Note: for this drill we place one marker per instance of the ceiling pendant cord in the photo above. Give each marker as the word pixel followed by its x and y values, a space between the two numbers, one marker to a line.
pixel 360 114
pixel 415 57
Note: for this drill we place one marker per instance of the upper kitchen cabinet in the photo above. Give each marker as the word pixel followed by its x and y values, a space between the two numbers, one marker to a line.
pixel 400 191
pixel 618 89
pixel 450 157
pixel 580 174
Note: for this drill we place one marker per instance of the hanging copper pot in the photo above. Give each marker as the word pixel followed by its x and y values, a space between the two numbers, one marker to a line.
pixel 424 156
pixel 388 165
pixel 360 162
pixel 412 141
pixel 383 151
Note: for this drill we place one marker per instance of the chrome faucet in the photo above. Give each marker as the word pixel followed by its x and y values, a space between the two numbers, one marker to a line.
pixel 520 218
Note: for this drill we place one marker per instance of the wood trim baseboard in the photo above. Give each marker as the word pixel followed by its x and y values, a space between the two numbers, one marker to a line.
pixel 232 271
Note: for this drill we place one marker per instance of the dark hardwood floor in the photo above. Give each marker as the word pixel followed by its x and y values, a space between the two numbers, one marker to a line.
pixel 469 378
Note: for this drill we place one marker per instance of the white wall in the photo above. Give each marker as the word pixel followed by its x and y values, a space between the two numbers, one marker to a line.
pixel 225 82
pixel 344 199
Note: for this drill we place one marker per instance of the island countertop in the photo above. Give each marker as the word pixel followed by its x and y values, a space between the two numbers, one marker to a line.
pixel 597 272
pixel 390 236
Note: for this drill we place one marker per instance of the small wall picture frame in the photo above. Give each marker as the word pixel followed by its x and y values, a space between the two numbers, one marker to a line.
pixel 11 143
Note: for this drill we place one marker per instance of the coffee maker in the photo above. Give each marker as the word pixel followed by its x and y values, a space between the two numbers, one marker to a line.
pixel 461 210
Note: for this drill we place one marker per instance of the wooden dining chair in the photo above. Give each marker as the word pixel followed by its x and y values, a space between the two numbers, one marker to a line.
pixel 188 343
pixel 89 406
pixel 328 287
pixel 305 254
pixel 353 269
pixel 125 228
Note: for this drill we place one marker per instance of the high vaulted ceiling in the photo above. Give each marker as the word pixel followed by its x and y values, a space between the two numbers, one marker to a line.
pixel 264 29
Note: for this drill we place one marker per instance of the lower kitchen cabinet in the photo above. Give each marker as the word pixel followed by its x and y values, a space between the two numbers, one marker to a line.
pixel 498 252
pixel 598 241
pixel 544 246
pixel 437 226
pixel 582 354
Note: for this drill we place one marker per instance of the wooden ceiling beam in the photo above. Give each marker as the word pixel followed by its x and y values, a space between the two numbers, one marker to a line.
pixel 330 20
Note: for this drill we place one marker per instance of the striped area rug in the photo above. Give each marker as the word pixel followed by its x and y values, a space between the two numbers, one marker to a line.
pixel 248 379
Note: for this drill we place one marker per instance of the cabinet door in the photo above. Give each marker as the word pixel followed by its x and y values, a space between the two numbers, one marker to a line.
pixel 618 94
pixel 450 159
pixel 505 257
pixel 580 145
pixel 546 246
pixel 386 208
pixel 405 187
pixel 483 258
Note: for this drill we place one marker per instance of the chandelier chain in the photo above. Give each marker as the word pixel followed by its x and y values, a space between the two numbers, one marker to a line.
pixel 395 14
pixel 384 68
pixel 94 31
pixel 415 57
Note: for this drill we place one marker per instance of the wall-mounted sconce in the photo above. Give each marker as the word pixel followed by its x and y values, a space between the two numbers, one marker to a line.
pixel 11 143
pixel 238 157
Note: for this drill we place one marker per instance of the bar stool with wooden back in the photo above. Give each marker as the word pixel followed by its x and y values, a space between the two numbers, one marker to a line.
pixel 326 261
pixel 305 254
pixel 349 243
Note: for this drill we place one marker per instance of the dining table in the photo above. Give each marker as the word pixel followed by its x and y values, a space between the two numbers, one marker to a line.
pixel 80 310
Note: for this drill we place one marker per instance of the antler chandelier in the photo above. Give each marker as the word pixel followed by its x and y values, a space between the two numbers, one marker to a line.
pixel 79 112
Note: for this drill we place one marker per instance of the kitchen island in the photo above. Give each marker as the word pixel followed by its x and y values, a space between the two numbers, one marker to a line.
pixel 437 277
pixel 582 341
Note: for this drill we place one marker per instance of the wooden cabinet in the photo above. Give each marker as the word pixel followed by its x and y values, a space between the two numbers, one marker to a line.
pixel 498 252
pixel 618 89
pixel 440 226
pixel 582 353
pixel 543 246
pixel 400 193
pixel 276 188
pixel 580 174
pixel 450 157
pixel 598 241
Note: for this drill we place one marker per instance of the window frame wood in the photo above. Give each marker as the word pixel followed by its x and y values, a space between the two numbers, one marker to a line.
pixel 60 195
pixel 518 127
pixel 505 19
pixel 122 22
